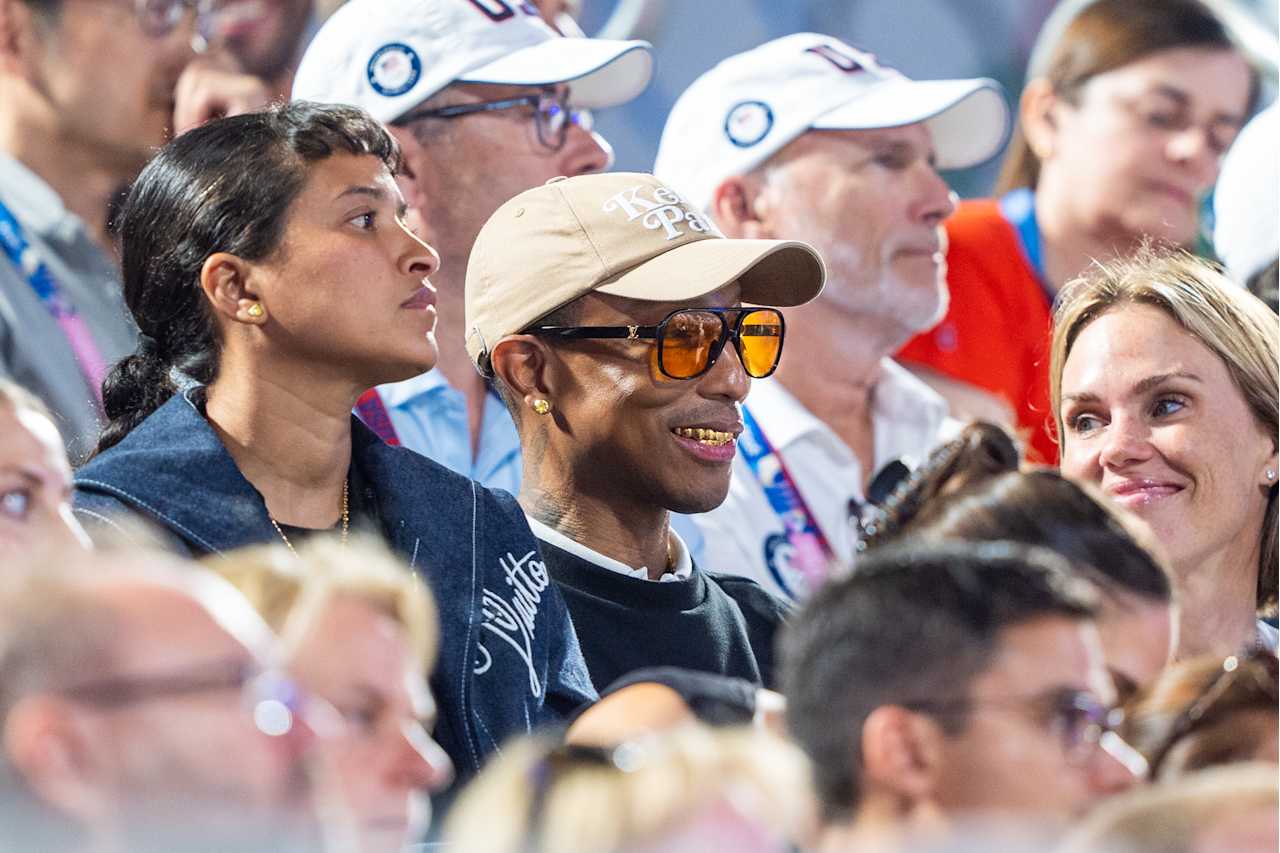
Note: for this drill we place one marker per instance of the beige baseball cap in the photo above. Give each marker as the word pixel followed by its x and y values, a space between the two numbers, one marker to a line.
pixel 622 233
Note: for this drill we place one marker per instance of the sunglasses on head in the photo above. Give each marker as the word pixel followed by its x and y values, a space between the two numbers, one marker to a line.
pixel 689 340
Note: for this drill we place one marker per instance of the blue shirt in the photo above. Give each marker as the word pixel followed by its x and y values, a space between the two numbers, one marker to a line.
pixel 430 417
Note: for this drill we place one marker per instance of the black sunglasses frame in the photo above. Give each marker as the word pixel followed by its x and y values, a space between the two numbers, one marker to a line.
pixel 561 100
pixel 658 333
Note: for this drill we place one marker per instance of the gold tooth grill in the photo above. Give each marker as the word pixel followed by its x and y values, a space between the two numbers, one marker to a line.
pixel 705 436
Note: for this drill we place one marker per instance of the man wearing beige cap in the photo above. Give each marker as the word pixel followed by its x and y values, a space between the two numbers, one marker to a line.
pixel 609 312
pixel 807 138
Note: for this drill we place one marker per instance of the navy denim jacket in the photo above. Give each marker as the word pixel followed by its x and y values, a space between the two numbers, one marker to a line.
pixel 509 657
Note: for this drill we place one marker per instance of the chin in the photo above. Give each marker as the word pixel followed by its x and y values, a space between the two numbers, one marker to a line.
pixel 694 502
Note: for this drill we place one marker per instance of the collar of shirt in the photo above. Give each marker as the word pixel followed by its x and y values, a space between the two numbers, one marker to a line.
pixel 683 562
pixel 907 416
pixel 28 196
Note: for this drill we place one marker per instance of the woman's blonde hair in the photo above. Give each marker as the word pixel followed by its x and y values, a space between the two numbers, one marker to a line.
pixel 290 591
pixel 538 796
pixel 1172 817
pixel 1234 324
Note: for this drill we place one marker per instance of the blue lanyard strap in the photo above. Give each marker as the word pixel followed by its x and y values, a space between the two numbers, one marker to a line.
pixel 1019 209
pixel 34 270
pixel 779 488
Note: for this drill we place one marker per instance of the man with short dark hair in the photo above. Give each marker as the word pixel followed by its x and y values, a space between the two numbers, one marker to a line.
pixel 947 684
pixel 611 315
pixel 139 712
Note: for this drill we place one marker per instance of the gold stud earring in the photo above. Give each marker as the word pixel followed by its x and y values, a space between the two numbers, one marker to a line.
pixel 255 310
pixel 541 406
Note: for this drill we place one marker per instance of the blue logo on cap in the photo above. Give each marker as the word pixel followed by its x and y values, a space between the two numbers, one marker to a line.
pixel 748 122
pixel 394 69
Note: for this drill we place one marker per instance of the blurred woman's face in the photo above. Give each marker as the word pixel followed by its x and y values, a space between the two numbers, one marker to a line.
pixel 384 762
pixel 1150 414
pixel 1143 144
pixel 347 288
pixel 35 484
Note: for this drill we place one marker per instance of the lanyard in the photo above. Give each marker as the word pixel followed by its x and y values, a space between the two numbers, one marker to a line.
pixel 371 410
pixel 811 553
pixel 1018 207
pixel 93 367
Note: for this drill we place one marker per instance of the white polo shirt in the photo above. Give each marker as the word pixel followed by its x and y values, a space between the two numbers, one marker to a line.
pixel 744 536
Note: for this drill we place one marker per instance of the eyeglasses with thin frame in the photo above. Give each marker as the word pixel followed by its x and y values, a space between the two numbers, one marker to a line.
pixel 689 340
pixel 159 18
pixel 1261 666
pixel 551 111
pixel 1153 114
pixel 1078 718
pixel 274 701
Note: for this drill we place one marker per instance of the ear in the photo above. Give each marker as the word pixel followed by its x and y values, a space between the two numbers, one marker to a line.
pixel 521 362
pixel 224 278
pixel 17 36
pixel 1038 112
pixel 50 746
pixel 901 755
pixel 736 207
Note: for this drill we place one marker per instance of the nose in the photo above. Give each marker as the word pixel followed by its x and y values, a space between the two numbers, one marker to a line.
pixel 727 378
pixel 584 152
pixel 1127 440
pixel 421 764
pixel 1107 775
pixel 1193 149
pixel 418 259
pixel 933 200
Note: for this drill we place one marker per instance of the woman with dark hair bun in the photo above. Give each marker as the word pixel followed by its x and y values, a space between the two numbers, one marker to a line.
pixel 971 489
pixel 268 267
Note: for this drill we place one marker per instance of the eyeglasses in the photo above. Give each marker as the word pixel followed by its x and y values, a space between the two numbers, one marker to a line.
pixel 551 111
pixel 273 700
pixel 1260 666
pixel 1079 720
pixel 691 339
pixel 1158 116
pixel 158 18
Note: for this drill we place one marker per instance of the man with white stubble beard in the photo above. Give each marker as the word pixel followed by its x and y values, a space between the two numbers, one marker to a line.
pixel 807 138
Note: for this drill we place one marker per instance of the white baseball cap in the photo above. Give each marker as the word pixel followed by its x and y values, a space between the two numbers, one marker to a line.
pixel 388 56
pixel 1245 211
pixel 743 111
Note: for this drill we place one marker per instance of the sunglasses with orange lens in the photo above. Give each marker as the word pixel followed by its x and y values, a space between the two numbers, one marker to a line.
pixel 689 340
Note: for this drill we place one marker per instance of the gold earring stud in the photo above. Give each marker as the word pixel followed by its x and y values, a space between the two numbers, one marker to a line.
pixel 255 310
pixel 541 406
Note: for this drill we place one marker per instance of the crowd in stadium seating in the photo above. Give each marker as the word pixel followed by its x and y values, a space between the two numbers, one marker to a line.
pixel 379 469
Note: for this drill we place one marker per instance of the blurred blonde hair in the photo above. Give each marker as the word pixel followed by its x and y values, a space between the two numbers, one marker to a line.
pixel 537 797
pixel 1233 323
pixel 291 591
pixel 1170 817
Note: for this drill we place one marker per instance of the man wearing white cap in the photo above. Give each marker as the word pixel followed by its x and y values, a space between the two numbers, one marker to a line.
pixel 609 311
pixel 1246 212
pixel 809 139
pixel 486 101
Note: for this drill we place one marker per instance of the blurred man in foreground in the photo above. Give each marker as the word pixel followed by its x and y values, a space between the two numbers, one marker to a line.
pixel 140 713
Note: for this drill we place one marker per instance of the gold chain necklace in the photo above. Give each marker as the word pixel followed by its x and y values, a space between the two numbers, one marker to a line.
pixel 346 520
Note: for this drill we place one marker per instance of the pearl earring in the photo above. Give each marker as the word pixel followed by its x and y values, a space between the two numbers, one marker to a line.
pixel 1271 475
